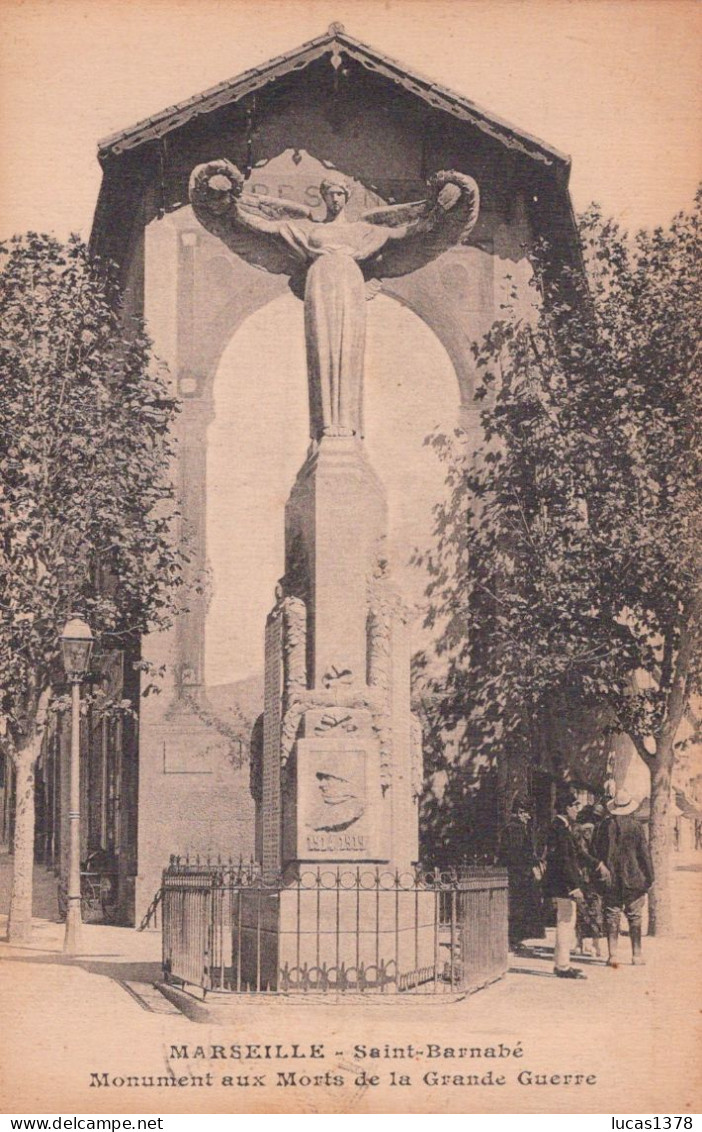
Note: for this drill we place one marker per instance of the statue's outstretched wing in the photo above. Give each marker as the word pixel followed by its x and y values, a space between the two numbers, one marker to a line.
pixel 248 223
pixel 421 230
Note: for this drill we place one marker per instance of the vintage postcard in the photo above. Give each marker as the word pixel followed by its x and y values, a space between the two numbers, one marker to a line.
pixel 350 605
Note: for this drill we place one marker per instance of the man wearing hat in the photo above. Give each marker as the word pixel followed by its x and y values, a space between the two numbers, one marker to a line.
pixel 621 843
pixel 524 873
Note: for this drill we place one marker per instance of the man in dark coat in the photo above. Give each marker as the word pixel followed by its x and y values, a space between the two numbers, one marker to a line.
pixel 563 881
pixel 524 871
pixel 621 843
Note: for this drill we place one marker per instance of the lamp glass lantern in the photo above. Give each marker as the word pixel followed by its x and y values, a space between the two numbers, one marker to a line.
pixel 76 647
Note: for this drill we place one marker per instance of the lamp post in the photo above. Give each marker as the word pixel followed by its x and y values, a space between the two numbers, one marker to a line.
pixel 76 646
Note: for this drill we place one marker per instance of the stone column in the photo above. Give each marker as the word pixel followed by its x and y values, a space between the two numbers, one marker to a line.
pixel 334 520
pixel 196 414
pixel 337 761
pixel 405 828
pixel 272 716
pixel 195 417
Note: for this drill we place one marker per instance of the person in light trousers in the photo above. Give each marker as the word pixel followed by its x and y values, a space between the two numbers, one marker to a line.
pixel 563 881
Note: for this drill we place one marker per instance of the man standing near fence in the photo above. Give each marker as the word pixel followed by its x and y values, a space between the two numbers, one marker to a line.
pixel 524 870
pixel 563 880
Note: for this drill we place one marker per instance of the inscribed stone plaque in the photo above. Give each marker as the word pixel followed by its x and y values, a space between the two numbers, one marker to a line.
pixel 337 802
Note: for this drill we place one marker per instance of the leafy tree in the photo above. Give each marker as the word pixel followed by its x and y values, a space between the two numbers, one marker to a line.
pixel 85 496
pixel 566 566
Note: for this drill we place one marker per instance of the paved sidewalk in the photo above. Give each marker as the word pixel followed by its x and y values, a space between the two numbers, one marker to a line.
pixel 635 1029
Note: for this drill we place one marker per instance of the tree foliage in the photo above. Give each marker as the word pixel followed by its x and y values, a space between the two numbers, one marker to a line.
pixel 87 503
pixel 566 560
pixel 86 500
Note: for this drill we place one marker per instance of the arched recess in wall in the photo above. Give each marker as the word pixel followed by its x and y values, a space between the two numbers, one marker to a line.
pixel 257 442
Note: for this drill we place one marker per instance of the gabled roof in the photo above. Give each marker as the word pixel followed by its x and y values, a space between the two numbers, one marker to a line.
pixel 336 43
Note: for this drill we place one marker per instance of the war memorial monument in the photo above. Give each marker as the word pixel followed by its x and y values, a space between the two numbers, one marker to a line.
pixel 333 173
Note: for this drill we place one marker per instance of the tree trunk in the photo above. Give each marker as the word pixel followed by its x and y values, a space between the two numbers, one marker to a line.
pixel 19 927
pixel 661 912
pixel 660 906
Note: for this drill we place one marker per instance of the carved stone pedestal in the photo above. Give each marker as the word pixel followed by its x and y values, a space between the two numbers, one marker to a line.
pixel 341 759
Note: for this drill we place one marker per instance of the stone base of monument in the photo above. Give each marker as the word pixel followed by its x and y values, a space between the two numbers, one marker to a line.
pixel 339 934
pixel 326 939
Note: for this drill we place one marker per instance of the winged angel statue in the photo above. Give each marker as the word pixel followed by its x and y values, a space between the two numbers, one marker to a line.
pixel 330 261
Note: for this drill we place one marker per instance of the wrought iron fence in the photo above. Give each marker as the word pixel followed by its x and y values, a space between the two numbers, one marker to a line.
pixel 333 930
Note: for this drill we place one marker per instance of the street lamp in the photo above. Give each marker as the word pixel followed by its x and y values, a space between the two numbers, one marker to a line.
pixel 76 646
